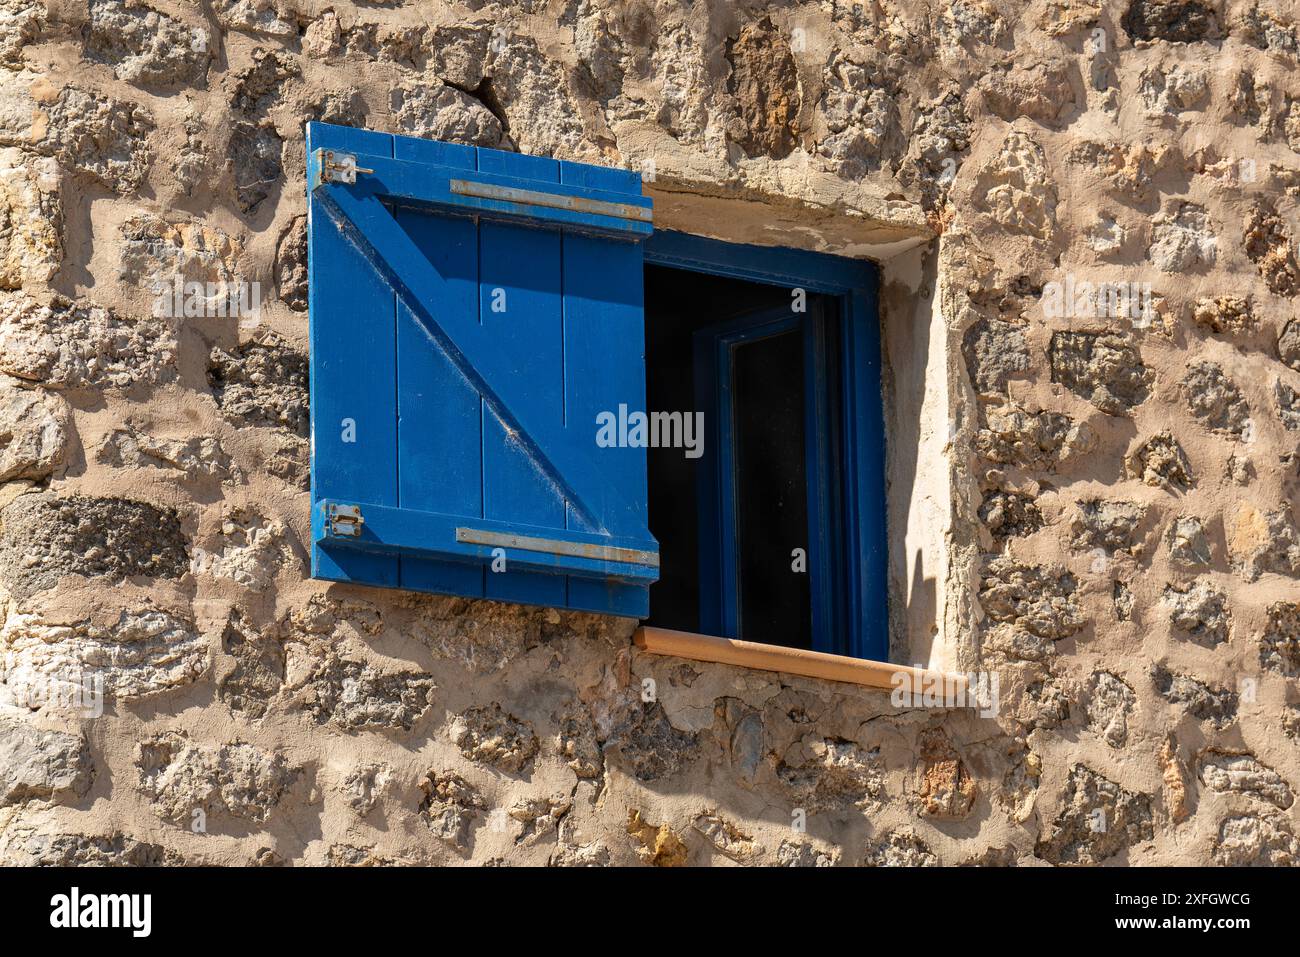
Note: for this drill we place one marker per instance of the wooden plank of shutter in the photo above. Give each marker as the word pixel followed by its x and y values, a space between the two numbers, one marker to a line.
pixel 520 310
pixel 355 331
pixel 439 427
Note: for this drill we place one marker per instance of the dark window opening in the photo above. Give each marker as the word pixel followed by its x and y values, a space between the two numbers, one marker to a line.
pixel 749 531
pixel 771 487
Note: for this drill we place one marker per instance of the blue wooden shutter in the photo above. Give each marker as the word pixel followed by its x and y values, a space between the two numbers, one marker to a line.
pixel 472 311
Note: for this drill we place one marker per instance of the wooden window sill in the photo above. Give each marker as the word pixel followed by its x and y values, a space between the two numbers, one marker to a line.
pixel 794 661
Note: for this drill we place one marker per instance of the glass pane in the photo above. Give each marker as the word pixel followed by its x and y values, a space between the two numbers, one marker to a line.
pixel 771 489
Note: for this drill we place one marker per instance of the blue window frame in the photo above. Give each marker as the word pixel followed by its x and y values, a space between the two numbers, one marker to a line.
pixel 448 436
pixel 844 430
pixel 721 558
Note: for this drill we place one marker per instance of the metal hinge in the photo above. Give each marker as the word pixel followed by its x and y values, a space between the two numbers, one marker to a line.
pixel 339 167
pixel 345 520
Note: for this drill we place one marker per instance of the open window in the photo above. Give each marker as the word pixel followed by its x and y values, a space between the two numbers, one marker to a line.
pixel 486 326
pixel 737 513
pixel 760 522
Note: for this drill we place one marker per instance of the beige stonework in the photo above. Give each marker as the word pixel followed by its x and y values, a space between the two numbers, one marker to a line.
pixel 1098 509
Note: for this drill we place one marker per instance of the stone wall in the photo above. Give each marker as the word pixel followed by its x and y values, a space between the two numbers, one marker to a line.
pixel 1097 507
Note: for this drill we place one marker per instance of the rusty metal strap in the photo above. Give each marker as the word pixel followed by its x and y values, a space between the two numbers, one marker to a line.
pixel 530 197
pixel 527 543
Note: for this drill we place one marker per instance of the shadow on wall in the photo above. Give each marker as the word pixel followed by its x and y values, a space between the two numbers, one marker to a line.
pixel 916 429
